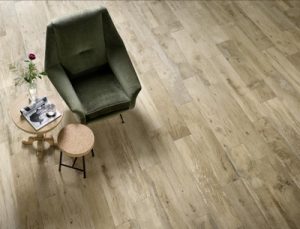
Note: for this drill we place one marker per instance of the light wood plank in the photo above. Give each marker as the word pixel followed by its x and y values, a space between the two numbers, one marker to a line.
pixel 213 141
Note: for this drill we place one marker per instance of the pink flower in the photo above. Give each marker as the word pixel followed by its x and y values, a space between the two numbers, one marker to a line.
pixel 31 56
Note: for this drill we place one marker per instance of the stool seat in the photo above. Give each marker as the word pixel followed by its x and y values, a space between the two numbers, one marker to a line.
pixel 75 140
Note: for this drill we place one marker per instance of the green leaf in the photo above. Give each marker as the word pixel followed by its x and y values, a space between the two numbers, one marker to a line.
pixel 26 60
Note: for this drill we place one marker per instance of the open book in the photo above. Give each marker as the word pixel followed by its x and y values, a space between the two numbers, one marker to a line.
pixel 40 113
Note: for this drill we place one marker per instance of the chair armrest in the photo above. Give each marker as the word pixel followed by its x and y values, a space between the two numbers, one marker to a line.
pixel 122 68
pixel 64 87
pixel 119 60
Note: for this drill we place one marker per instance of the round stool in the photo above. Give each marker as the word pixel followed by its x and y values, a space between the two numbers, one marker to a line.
pixel 75 140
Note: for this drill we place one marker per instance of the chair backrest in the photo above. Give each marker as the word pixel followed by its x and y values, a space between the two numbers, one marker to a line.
pixel 80 41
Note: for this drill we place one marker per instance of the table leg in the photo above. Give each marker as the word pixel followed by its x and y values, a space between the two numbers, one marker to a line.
pixel 29 141
pixel 49 139
pixel 40 138
pixel 40 144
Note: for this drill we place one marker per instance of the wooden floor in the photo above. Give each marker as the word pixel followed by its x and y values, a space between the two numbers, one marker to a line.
pixel 214 140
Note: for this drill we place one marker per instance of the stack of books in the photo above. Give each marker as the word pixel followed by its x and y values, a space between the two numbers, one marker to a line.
pixel 40 113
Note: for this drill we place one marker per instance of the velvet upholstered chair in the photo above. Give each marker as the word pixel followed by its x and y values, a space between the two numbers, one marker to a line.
pixel 88 64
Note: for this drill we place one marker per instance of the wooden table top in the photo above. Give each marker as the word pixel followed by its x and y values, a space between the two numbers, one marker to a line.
pixel 76 140
pixel 23 124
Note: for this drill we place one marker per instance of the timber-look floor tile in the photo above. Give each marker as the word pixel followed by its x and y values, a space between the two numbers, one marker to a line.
pixel 214 139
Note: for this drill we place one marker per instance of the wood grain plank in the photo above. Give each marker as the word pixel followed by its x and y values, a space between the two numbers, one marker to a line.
pixel 271 30
pixel 213 141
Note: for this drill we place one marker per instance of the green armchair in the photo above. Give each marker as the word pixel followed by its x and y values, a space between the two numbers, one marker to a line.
pixel 88 64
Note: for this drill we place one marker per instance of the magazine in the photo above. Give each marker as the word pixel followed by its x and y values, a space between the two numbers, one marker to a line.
pixel 40 113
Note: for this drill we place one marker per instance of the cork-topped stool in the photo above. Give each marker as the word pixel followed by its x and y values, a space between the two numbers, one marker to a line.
pixel 75 140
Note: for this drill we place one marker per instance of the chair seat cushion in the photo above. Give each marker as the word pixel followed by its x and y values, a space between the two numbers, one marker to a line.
pixel 101 93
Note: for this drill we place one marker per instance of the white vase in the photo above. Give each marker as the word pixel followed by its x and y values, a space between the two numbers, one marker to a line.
pixel 32 89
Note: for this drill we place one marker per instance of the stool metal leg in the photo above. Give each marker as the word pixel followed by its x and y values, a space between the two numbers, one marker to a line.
pixel 74 162
pixel 83 164
pixel 93 154
pixel 60 159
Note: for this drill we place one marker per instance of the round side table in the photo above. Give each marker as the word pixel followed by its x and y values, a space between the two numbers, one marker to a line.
pixel 38 135
pixel 75 140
